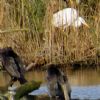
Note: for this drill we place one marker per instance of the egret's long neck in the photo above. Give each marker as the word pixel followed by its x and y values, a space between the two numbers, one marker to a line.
pixel 77 22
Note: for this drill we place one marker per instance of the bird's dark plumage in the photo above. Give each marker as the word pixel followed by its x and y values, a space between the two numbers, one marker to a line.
pixel 12 64
pixel 56 80
pixel 52 70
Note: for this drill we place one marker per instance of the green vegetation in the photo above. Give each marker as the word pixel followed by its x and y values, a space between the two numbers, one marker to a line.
pixel 32 20
pixel 23 90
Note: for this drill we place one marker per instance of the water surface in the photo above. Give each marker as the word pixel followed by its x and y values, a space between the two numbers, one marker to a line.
pixel 83 82
pixel 76 78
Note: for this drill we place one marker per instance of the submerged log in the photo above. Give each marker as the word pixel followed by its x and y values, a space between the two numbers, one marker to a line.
pixel 30 66
pixel 26 88
pixel 37 64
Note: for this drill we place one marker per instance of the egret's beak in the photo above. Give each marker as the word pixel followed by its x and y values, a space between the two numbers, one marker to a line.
pixel 86 25
pixel 65 90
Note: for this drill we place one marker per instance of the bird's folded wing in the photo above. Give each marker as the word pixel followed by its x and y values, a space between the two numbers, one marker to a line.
pixel 11 67
pixel 21 65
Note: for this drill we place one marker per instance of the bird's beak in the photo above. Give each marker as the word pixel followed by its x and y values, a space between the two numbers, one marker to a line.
pixel 86 25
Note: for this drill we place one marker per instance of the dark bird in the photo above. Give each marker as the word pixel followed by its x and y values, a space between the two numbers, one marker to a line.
pixel 12 63
pixel 57 83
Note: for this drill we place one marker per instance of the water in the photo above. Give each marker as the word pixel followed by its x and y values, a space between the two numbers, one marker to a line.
pixel 80 80
pixel 76 78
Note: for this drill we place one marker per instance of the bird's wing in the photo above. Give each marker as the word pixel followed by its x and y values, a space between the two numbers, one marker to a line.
pixel 64 17
pixel 11 67
pixel 59 19
pixel 20 65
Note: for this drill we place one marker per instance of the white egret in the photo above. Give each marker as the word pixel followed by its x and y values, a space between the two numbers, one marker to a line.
pixel 68 17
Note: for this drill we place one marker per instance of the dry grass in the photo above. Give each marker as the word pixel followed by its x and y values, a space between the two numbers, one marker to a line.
pixel 35 15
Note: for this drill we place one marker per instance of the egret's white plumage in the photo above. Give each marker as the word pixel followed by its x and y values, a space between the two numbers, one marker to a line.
pixel 67 17
pixel 64 17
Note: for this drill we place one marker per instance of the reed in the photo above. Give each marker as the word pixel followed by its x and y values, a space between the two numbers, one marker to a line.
pixel 35 15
